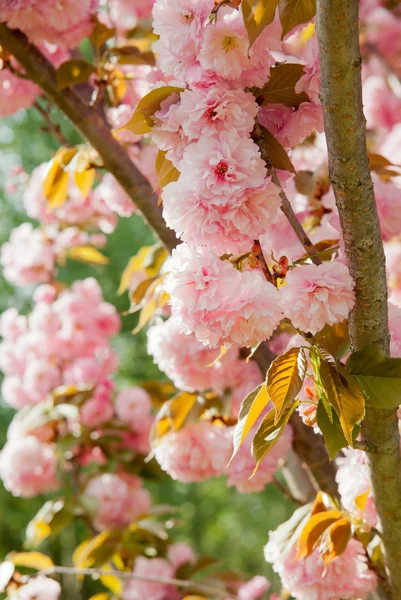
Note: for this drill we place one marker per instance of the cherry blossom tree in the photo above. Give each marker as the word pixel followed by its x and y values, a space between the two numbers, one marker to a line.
pixel 259 140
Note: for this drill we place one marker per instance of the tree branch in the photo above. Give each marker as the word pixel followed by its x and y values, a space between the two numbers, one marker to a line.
pixel 292 218
pixel 341 95
pixel 93 126
pixel 128 575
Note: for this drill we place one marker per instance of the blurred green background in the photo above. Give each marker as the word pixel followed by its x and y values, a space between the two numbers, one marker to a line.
pixel 217 521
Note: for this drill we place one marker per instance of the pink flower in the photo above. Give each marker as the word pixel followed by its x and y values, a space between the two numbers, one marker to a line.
pixel 42 22
pixel 40 378
pixel 12 324
pixel 380 105
pixel 181 554
pixel 197 452
pixel 45 293
pixel 133 406
pixel 114 196
pixel 291 126
pixel 310 82
pixel 223 166
pixel 120 500
pixel 183 358
pixel 210 111
pixel 192 366
pixel 14 394
pixel 394 323
pixel 230 227
pixel 98 409
pixel 125 13
pixel 27 257
pixel 243 465
pixel 347 577
pixel 28 467
pixel 15 93
pixel 281 240
pixel 179 23
pixel 38 588
pixel 316 295
pixel 139 439
pixel 253 589
pixel 393 266
pixel 245 377
pixel 150 567
pixel 222 306
pixel 354 483
pixel 388 200
pixel 225 47
pixel 167 132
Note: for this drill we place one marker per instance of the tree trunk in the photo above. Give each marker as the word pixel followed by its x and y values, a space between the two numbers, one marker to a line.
pixel 341 95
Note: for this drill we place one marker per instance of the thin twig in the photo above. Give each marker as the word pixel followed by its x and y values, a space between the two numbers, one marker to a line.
pixel 286 491
pixel 182 583
pixel 53 128
pixel 295 224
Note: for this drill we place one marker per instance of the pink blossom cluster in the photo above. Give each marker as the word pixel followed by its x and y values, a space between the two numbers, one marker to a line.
pixel 223 197
pixel 241 470
pixel 61 22
pixel 177 555
pixel 221 305
pixel 192 366
pixel 346 577
pixel 124 14
pixel 37 588
pixel 119 500
pixel 64 341
pixel 90 212
pixel 355 487
pixel 316 295
pixel 17 93
pixel 28 467
pixel 31 254
pixel 202 450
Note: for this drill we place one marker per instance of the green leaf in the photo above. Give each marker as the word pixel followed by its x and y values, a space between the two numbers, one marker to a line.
pixel 378 375
pixel 249 413
pixel 87 254
pixel 285 377
pixel 73 72
pixel 335 339
pixel 344 396
pixel 257 15
pixel 331 430
pixel 52 518
pixel 166 171
pixel 172 415
pixel 141 121
pixel 101 33
pixel 280 89
pixel 295 12
pixel 275 151
pixel 270 432
pixel 31 560
pixel 314 530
